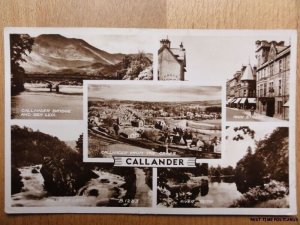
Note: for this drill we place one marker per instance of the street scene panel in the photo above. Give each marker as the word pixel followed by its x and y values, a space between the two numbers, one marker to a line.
pixel 157 120
pixel 253 174
pixel 260 91
pixel 47 70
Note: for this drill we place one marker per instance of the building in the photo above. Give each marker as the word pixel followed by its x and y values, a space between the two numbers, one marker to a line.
pixel 130 134
pixel 273 72
pixel 171 61
pixel 241 89
pixel 137 123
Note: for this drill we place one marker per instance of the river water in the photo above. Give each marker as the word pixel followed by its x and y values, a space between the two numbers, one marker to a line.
pixel 220 195
pixel 37 103
pixel 96 192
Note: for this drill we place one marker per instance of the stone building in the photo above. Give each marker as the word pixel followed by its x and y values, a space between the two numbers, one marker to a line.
pixel 273 72
pixel 241 89
pixel 171 61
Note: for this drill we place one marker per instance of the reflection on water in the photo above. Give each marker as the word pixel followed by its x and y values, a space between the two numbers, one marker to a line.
pixel 229 179
pixel 222 193
pixel 66 105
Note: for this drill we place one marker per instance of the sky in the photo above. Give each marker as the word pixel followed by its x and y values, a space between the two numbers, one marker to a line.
pixel 236 150
pixel 155 92
pixel 211 60
pixel 63 130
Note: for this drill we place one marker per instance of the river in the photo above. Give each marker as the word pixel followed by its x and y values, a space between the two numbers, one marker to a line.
pixel 96 192
pixel 143 192
pixel 220 195
pixel 37 103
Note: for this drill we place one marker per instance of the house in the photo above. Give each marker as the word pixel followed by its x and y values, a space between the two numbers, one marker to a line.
pixel 171 61
pixel 130 134
pixel 241 89
pixel 137 123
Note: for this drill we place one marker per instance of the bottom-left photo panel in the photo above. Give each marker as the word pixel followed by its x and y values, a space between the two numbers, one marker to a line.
pixel 47 170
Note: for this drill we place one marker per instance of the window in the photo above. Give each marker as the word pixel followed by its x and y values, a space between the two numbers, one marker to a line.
pixel 279 107
pixel 245 93
pixel 271 88
pixel 265 89
pixel 279 88
pixel 271 69
pixel 280 66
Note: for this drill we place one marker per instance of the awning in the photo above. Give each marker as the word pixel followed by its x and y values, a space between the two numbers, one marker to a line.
pixel 243 100
pixel 252 100
pixel 233 100
pixel 287 104
pixel 237 101
pixel 229 100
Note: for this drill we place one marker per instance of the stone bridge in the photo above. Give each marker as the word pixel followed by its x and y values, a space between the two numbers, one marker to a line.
pixel 54 80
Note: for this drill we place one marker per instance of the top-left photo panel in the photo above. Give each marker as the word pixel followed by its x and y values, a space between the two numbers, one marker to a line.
pixel 46 69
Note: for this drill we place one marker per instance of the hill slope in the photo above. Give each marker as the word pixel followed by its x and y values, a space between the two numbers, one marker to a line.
pixel 56 54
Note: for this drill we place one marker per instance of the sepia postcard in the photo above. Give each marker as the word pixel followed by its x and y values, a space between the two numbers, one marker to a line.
pixel 150 121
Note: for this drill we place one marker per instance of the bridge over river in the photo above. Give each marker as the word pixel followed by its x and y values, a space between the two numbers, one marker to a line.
pixel 54 80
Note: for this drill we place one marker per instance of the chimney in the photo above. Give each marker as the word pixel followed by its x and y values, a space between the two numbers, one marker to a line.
pixel 181 47
pixel 165 42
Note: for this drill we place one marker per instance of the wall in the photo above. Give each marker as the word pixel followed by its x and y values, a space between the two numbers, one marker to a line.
pixel 169 68
pixel 214 14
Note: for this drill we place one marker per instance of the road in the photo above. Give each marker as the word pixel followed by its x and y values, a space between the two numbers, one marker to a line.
pixel 239 115
pixel 245 115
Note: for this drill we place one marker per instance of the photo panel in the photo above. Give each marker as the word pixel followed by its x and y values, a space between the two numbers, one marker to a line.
pixel 152 119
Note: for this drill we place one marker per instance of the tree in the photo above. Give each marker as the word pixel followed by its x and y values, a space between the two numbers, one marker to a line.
pixel 116 128
pixel 126 61
pixel 79 144
pixel 244 130
pixel 20 46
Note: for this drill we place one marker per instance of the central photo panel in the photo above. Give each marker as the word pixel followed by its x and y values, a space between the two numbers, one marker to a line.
pixel 142 119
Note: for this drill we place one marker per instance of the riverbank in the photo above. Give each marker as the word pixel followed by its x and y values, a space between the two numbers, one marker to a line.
pixel 271 195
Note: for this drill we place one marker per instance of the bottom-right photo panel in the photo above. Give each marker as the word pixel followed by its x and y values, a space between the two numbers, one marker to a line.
pixel 254 173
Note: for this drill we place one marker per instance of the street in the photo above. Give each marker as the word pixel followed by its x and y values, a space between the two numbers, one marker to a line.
pixel 233 114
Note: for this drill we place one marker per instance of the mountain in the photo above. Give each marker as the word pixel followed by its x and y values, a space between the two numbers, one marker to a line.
pixel 56 54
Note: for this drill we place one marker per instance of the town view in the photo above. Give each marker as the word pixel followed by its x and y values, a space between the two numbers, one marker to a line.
pixel 129 127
